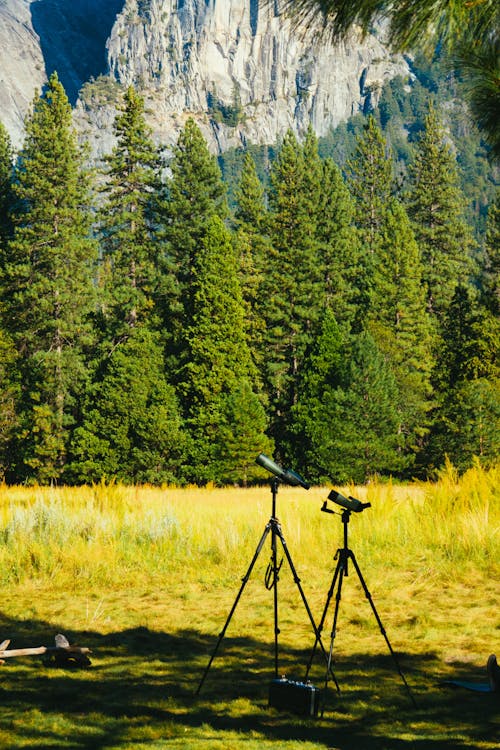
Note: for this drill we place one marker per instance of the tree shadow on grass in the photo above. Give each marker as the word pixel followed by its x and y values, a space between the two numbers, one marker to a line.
pixel 142 687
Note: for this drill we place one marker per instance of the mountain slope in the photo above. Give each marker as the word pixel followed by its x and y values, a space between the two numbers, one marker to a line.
pixel 237 66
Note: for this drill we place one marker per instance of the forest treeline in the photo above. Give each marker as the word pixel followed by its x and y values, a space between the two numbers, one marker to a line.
pixel 341 321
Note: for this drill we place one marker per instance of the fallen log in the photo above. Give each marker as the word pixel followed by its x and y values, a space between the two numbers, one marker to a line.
pixel 62 654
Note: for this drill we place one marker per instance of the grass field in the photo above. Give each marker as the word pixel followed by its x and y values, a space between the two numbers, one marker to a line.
pixel 146 578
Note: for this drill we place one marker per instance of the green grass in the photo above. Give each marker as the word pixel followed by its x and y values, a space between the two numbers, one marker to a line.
pixel 146 578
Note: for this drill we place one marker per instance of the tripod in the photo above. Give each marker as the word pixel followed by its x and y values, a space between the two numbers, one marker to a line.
pixel 343 555
pixel 271 582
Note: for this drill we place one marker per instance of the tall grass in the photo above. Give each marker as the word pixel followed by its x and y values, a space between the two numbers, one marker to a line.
pixel 106 533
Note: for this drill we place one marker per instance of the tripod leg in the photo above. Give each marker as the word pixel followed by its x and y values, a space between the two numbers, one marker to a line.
pixel 382 629
pixel 306 605
pixel 325 611
pixel 342 571
pixel 274 585
pixel 238 596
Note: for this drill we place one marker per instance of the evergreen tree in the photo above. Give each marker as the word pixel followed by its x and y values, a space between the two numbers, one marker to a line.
pixel 436 209
pixel 293 285
pixel 467 380
pixel 7 351
pixel 195 193
pixel 322 375
pixel 9 393
pixel 250 213
pixel 367 423
pixel 253 248
pixel 399 322
pixel 127 221
pixel 131 428
pixel 347 413
pixel 48 287
pixel 491 272
pixel 217 376
pixel 242 436
pixel 370 183
pixel 6 193
pixel 338 243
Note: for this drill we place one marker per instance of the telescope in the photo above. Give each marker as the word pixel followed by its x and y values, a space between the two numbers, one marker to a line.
pixel 285 475
pixel 349 503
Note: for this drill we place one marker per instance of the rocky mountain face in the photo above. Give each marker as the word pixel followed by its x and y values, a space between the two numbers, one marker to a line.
pixel 238 66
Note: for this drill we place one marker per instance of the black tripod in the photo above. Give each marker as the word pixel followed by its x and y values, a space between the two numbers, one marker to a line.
pixel 343 555
pixel 271 582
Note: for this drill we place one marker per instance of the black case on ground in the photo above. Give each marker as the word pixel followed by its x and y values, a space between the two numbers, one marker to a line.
pixel 297 697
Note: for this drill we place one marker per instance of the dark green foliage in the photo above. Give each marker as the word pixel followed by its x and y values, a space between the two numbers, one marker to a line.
pixel 491 272
pixel 399 322
pixel 253 247
pixel 127 228
pixel 347 413
pixel 9 392
pixel 467 379
pixel 294 280
pixel 47 279
pixel 131 428
pixel 338 243
pixel 218 372
pixel 370 183
pixel 436 209
pixel 299 326
pixel 195 194
pixel 6 192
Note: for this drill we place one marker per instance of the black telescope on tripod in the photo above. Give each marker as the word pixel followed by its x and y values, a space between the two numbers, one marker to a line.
pixel 285 475
pixel 349 503
pixel 273 527
pixel 343 556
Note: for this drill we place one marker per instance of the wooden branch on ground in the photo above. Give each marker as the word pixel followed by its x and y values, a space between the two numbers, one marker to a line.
pixel 62 654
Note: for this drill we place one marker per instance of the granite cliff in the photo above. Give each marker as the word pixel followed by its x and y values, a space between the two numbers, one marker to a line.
pixel 238 66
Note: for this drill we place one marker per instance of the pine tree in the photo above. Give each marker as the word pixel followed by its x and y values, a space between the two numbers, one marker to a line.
pixel 219 369
pixel 48 283
pixel 491 272
pixel 127 221
pixel 436 208
pixel 9 393
pixel 399 322
pixel 370 183
pixel 250 213
pixel 6 192
pixel 467 380
pixel 7 351
pixel 131 428
pixel 253 248
pixel 322 374
pixel 338 240
pixel 294 284
pixel 195 193
pixel 347 412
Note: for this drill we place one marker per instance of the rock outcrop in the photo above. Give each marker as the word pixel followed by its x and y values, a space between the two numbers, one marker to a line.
pixel 244 64
pixel 22 68
pixel 239 67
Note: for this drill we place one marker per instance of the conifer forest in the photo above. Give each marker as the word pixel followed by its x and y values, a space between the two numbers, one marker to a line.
pixel 165 317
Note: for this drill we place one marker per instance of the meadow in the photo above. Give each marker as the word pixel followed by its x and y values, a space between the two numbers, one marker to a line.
pixel 146 577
